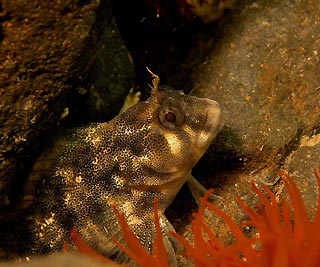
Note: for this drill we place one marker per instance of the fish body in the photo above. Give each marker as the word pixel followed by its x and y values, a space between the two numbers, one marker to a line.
pixel 144 153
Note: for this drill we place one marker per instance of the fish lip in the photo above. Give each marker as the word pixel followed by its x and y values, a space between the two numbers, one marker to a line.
pixel 214 123
pixel 213 118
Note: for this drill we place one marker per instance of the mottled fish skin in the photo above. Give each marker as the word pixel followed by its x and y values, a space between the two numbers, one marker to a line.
pixel 144 153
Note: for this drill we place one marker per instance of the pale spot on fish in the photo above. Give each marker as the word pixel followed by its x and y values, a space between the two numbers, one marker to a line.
pixel 174 143
pixel 79 179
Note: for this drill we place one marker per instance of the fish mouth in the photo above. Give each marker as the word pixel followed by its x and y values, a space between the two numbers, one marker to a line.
pixel 213 124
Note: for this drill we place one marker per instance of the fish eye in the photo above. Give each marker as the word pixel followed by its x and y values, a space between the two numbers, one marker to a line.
pixel 171 116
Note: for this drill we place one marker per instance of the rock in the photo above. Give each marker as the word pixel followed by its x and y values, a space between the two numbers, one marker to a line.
pixel 301 164
pixel 48 50
pixel 107 83
pixel 209 10
pixel 264 72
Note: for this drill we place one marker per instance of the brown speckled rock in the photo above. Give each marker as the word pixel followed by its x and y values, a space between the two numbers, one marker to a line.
pixel 265 74
pixel 47 50
pixel 301 164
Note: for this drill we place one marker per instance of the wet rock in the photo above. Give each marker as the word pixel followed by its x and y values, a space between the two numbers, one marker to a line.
pixel 49 50
pixel 99 98
pixel 209 10
pixel 265 74
pixel 301 164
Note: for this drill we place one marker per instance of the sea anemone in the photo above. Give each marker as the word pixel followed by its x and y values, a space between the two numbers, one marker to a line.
pixel 285 235
pixel 135 249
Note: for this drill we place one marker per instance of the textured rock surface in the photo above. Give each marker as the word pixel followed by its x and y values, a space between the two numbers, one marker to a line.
pixel 265 74
pixel 47 50
pixel 100 96
pixel 300 164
